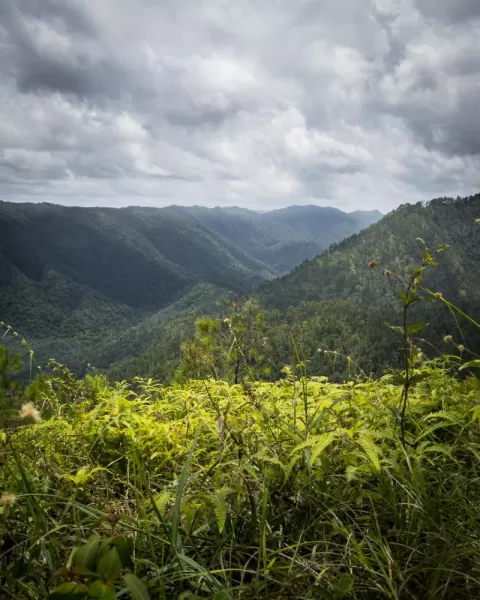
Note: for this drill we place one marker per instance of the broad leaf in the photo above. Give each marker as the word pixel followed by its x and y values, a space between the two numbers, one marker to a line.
pixel 124 547
pixel 101 591
pixel 136 587
pixel 394 328
pixel 109 566
pixel 69 591
pixel 416 327
pixel 86 555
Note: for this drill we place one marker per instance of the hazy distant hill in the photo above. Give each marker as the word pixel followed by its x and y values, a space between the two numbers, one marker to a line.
pixel 71 276
pixel 327 225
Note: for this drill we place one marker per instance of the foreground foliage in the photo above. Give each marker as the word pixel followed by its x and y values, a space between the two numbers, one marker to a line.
pixel 295 489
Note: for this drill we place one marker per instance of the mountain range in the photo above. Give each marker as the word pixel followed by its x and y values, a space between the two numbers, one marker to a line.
pixel 340 301
pixel 73 279
pixel 122 288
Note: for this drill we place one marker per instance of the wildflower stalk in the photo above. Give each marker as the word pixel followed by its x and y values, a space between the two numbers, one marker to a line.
pixel 410 295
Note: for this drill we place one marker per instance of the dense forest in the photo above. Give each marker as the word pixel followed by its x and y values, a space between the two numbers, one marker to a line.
pixel 79 311
pixel 75 280
pixel 339 304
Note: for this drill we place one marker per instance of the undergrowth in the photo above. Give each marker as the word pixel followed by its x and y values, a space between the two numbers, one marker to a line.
pixel 296 489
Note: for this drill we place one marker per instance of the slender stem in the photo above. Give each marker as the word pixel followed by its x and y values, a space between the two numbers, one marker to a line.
pixel 406 358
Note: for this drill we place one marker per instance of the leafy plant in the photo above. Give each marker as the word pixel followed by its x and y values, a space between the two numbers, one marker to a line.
pixel 96 569
pixel 410 295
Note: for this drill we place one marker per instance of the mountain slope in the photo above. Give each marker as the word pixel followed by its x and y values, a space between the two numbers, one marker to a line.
pixel 323 224
pixel 342 271
pixel 281 239
pixel 72 279
pixel 338 304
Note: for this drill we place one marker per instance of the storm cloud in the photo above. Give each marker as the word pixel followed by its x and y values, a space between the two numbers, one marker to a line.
pixel 348 103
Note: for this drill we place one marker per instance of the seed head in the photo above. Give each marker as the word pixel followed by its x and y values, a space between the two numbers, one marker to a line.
pixel 28 411
pixel 387 273
pixel 447 338
pixel 438 295
pixel 460 347
pixel 477 221
pixel 8 499
pixel 372 264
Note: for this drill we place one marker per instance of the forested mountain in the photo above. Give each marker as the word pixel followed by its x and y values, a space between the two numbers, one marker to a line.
pixel 309 220
pixel 122 288
pixel 340 301
pixel 342 271
pixel 75 279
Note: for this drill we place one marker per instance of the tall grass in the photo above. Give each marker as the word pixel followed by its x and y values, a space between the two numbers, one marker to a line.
pixel 233 492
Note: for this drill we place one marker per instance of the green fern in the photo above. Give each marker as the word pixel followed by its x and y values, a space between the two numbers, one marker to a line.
pixel 367 443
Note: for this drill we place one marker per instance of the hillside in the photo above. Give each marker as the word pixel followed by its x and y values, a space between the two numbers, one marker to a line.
pixel 342 271
pixel 338 304
pixel 73 279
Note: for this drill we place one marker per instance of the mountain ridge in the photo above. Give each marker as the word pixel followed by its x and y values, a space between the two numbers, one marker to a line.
pixel 339 304
pixel 68 273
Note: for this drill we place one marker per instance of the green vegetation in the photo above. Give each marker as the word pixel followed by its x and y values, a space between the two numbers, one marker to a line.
pixel 295 489
pixel 337 304
pixel 85 284
pixel 243 480
pixel 341 273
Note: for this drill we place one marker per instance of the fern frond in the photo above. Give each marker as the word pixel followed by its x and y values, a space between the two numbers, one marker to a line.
pixel 366 442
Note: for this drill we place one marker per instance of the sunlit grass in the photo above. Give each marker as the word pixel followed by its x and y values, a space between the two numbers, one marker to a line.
pixel 298 489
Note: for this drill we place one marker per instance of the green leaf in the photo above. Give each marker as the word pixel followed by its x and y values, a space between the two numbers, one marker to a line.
pixel 222 595
pixel 69 591
pixel 124 547
pixel 175 533
pixel 404 297
pixel 472 364
pixel 418 377
pixel 101 591
pixel 369 447
pixel 442 247
pixel 220 510
pixel 86 555
pixel 109 566
pixel 83 475
pixel 410 299
pixel 416 327
pixel 394 328
pixel 136 587
pixel 83 571
pixel 345 584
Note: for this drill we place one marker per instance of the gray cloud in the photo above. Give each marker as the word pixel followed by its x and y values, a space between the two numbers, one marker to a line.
pixel 351 103
pixel 450 10
pixel 53 46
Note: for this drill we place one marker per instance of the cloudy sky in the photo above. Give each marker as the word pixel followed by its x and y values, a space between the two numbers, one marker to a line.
pixel 259 103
